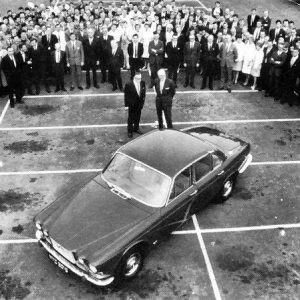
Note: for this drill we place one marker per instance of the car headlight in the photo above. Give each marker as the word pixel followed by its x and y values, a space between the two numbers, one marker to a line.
pixel 38 225
pixel 82 260
pixel 46 233
pixel 39 234
pixel 93 268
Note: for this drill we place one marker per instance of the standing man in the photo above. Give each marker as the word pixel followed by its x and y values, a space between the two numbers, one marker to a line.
pixel 134 97
pixel 191 60
pixel 165 91
pixel 156 56
pixel 228 55
pixel 75 60
pixel 210 52
pixel 252 20
pixel 11 69
pixel 58 62
pixel 135 52
pixel 91 54
pixel 174 53
pixel 105 47
pixel 115 63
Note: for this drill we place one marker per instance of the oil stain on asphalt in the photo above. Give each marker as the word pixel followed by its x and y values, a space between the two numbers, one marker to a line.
pixel 28 146
pixel 11 287
pixel 36 110
pixel 15 200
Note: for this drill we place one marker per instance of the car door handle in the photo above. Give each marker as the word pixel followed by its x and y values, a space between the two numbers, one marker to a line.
pixel 222 172
pixel 193 193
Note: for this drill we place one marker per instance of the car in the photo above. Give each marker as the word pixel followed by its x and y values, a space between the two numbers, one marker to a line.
pixel 102 227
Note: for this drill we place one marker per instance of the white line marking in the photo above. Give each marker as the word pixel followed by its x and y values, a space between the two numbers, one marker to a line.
pixel 206 259
pixel 205 7
pixel 4 111
pixel 184 232
pixel 21 241
pixel 267 163
pixel 148 124
pixel 122 94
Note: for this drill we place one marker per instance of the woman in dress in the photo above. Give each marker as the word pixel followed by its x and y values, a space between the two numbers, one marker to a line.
pixel 237 67
pixel 257 63
pixel 248 58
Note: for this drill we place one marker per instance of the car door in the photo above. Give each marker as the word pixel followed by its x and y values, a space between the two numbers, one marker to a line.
pixel 208 179
pixel 183 193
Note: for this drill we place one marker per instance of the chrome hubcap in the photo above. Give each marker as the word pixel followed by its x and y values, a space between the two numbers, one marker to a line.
pixel 132 264
pixel 227 188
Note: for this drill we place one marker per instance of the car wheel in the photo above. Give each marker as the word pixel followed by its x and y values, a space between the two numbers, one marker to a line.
pixel 227 189
pixel 131 264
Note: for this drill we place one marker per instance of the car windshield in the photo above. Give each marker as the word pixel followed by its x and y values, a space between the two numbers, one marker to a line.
pixel 137 180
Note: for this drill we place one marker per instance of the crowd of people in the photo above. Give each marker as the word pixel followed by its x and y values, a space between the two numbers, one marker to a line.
pixel 40 45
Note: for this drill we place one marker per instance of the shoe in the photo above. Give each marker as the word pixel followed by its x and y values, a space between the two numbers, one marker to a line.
pixel 20 101
pixel 139 131
pixel 72 88
pixel 87 87
pixel 121 90
pixel 221 88
pixel 37 92
pixel 80 87
pixel 12 105
pixel 57 90
pixel 30 92
pixel 151 86
pixel 229 90
pixel 97 86
pixel 192 86
pixel 211 88
pixel 245 83
pixel 185 85
pixel 114 89
pixel 63 89
pixel 48 90
pixel 276 99
pixel 130 135
pixel 252 87
pixel 203 87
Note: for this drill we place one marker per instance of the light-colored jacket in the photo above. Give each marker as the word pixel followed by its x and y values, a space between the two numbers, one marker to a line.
pixel 74 56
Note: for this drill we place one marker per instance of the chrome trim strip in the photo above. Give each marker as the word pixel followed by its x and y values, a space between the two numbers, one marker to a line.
pixel 245 163
pixel 99 282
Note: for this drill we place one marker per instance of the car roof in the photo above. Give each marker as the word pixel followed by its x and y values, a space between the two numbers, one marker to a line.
pixel 167 151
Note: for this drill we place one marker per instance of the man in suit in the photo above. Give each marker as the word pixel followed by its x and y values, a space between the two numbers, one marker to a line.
pixel 277 61
pixel 92 50
pixel 210 52
pixel 265 68
pixel 39 60
pixel 174 53
pixel 135 52
pixel 115 63
pixel 252 20
pixel 105 47
pixel 277 32
pixel 228 55
pixel 75 60
pixel 156 56
pixel 25 69
pixel 165 91
pixel 258 29
pixel 58 67
pixel 191 60
pixel 266 21
pixel 290 77
pixel 134 97
pixel 10 66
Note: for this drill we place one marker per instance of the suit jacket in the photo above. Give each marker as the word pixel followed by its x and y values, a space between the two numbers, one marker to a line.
pixel 294 71
pixel 58 67
pixel 277 62
pixel 105 46
pixel 116 61
pixel 191 56
pixel 266 24
pixel 280 34
pixel 168 92
pixel 157 56
pixel 49 45
pixel 75 56
pixel 252 26
pixel 174 54
pixel 11 72
pixel 140 50
pixel 91 51
pixel 267 55
pixel 210 55
pixel 38 58
pixel 132 98
pixel 24 66
pixel 228 57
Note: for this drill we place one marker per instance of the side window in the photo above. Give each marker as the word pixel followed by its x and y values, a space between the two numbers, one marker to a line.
pixel 182 182
pixel 217 161
pixel 203 166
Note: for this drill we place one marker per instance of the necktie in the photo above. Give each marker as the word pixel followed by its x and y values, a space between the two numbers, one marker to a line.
pixel 13 59
pixel 58 57
pixel 74 46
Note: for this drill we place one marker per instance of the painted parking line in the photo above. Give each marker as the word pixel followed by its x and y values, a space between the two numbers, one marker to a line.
pixel 75 171
pixel 19 241
pixel 240 229
pixel 4 111
pixel 248 121
pixel 207 260
pixel 202 5
pixel 122 94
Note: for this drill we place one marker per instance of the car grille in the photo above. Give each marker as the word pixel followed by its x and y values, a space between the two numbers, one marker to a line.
pixel 62 251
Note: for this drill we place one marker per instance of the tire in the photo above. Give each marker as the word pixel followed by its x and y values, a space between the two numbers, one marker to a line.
pixel 227 189
pixel 131 263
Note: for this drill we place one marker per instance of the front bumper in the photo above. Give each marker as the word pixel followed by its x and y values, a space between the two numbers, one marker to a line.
pixel 106 280
pixel 245 163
